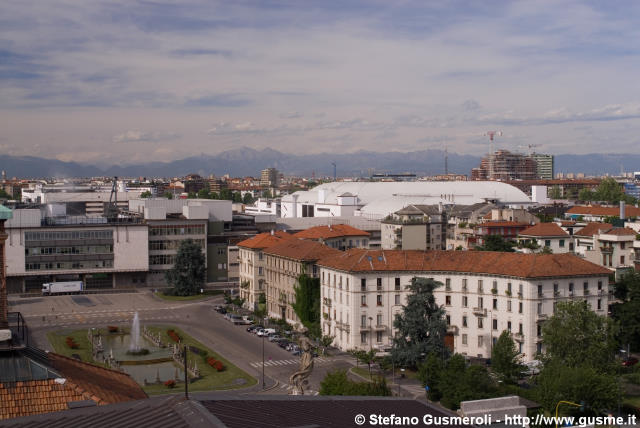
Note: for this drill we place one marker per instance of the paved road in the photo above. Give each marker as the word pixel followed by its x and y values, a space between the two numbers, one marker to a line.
pixel 198 319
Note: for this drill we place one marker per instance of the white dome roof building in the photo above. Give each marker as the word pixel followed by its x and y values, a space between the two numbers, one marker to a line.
pixel 376 200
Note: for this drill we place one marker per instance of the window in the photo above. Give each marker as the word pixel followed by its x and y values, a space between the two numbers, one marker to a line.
pixel 599 285
pixel 448 318
pixel 447 282
pixel 509 326
pixel 495 324
pixel 555 289
pixel 363 300
pixel 547 242
pixel 539 308
pixel 379 319
pixel 480 302
pixel 363 338
pixel 378 284
pixel 397 299
pixel 508 305
pixel 480 341
pixel 464 284
pixel 622 245
pixel 464 321
pixel 480 325
pixel 363 320
pixel 539 330
pixel 561 243
pixel 464 339
pixel 397 284
pixel 479 286
pixel 585 287
pixel 520 331
pixel 221 251
pixel 621 260
pixel 540 290
pixel 465 301
pixel 519 307
pixel 447 300
pixel 599 304
pixel 495 303
pixel 571 288
pixel 378 336
pixel 379 300
pixel 520 289
pixel 363 284
pixel 508 288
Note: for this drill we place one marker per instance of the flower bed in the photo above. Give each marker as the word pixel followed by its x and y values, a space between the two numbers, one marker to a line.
pixel 170 383
pixel 215 364
pixel 71 343
pixel 112 328
pixel 173 335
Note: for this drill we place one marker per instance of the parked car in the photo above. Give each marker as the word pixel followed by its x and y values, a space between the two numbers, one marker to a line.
pixel 253 328
pixel 270 330
pixel 283 343
pixel 629 362
pixel 220 309
pixel 274 337
pixel 261 332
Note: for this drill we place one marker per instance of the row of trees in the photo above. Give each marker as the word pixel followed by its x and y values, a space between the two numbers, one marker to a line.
pixel 609 190
pixel 225 194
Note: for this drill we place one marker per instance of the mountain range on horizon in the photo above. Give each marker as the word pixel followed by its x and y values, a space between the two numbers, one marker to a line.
pixel 246 161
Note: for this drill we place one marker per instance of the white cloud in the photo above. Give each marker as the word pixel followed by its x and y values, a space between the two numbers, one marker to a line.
pixel 137 136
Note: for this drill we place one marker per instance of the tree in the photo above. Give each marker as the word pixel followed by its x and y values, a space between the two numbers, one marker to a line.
pixel 307 303
pixel 192 195
pixel 555 193
pixel 457 382
pixel 506 360
pixel 325 342
pixel 546 250
pixel 237 197
pixel 598 391
pixel 247 199
pixel 203 193
pixel 420 327
pixel 145 194
pixel 337 383
pixel 585 194
pixel 576 336
pixel 188 274
pixel 267 194
pixel 225 194
pixel 497 243
pixel 430 373
pixel 168 195
pixel 627 313
pixel 365 357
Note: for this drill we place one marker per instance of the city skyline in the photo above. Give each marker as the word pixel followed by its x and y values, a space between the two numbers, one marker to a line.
pixel 156 81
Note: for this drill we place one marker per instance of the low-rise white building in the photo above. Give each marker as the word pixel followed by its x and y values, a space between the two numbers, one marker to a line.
pixel 613 248
pixel 548 235
pixel 483 293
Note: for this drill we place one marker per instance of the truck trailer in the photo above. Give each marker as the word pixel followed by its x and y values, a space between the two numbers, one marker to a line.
pixel 49 288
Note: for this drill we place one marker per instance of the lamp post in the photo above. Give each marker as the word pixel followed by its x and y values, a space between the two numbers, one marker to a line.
pixel 371 333
pixel 263 385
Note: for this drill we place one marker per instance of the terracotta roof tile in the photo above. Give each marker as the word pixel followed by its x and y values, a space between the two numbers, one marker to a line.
pixel 599 210
pixel 502 224
pixel 331 231
pixel 265 240
pixel 303 250
pixel 621 231
pixel 544 229
pixel 488 262
pixel 593 228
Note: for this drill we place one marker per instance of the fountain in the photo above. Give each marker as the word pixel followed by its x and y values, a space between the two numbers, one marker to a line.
pixel 134 343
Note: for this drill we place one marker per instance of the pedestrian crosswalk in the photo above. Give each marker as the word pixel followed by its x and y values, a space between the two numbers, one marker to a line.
pixel 273 363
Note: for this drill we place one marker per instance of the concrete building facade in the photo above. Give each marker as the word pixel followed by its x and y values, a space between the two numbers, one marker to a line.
pixel 483 294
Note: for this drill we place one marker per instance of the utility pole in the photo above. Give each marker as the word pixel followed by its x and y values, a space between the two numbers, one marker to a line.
pixel 186 375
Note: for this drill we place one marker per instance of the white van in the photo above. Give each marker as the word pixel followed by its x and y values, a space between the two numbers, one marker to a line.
pixel 269 331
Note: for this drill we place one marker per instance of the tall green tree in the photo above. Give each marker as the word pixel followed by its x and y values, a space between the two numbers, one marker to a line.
pixel 576 336
pixel 188 274
pixel 203 193
pixel 247 199
pixel 627 312
pixel 420 327
pixel 307 303
pixel 168 195
pixel 506 361
pixel 497 243
pixel 145 194
pixel 430 373
pixel 609 190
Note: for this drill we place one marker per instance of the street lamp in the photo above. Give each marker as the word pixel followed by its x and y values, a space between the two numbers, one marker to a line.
pixel 371 333
pixel 263 385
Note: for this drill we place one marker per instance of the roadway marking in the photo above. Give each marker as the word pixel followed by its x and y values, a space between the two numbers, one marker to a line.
pixel 270 363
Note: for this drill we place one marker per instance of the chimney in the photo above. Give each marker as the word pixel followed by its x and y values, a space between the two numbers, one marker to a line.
pixel 622 209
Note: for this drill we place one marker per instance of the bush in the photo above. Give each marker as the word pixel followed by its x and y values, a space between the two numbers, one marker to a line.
pixel 173 335
pixel 71 343
pixel 337 383
pixel 215 364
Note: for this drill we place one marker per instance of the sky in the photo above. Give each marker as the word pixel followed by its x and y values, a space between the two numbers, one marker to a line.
pixel 120 82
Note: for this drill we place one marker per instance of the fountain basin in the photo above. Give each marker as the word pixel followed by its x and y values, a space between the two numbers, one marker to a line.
pixel 120 345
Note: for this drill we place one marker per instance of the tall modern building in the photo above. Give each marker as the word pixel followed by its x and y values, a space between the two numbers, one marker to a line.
pixel 544 165
pixel 269 177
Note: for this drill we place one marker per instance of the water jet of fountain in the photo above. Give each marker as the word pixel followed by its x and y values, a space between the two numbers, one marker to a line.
pixel 134 346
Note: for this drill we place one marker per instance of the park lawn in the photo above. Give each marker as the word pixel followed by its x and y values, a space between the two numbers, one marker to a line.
pixel 211 378
pixel 363 372
pixel 632 400
pixel 207 293
pixel 57 339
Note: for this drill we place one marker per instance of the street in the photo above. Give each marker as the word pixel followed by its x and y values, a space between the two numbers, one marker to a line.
pixel 198 319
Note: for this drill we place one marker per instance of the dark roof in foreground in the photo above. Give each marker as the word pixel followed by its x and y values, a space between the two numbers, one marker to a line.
pixel 226 410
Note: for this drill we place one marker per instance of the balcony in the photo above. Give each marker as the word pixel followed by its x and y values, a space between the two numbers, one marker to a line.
pixel 519 295
pixel 519 337
pixel 601 292
pixel 542 317
pixel 606 250
pixel 453 329
pixel 481 312
pixel 379 327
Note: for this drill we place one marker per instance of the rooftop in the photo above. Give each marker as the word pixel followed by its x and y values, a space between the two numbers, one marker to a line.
pixel 544 230
pixel 330 231
pixel 592 228
pixel 265 240
pixel 620 231
pixel 482 262
pixel 599 210
pixel 302 250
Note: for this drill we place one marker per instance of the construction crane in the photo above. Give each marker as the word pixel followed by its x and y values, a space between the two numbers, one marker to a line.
pixel 334 171
pixel 111 210
pixel 491 135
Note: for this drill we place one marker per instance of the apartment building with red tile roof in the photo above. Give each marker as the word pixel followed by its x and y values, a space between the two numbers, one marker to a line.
pixel 483 294
pixel 339 236
pixel 251 265
pixel 548 235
